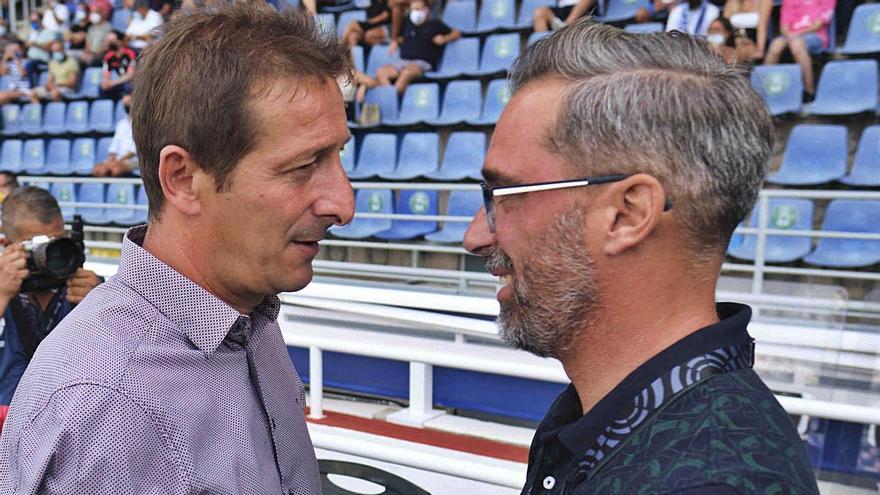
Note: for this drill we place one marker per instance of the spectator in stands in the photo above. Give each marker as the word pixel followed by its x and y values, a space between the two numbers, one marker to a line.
pixel 14 67
pixel 28 317
pixel 163 7
pixel 565 12
pixel 96 36
pixel 56 16
pixel 243 176
pixel 122 155
pixel 732 48
pixel 142 28
pixel 38 53
pixel 372 31
pixel 692 17
pixel 617 280
pixel 75 37
pixel 750 19
pixel 803 25
pixel 119 66
pixel 63 76
pixel 421 47
pixel 657 10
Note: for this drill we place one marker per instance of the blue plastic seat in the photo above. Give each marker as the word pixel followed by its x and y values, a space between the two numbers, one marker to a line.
pixel 326 23
pixel 645 28
pixel 620 10
pixel 65 192
pixel 11 119
pixel 378 57
pixel 357 55
pixel 32 119
pixel 10 155
pixel 814 154
pixel 378 155
pixel 119 113
pixel 33 158
pixel 463 158
pixel 92 192
pixel 77 119
pixel 865 170
pixel 461 102
pixel 82 156
pixel 848 216
pixel 418 156
pixel 499 52
pixel 461 15
pixel 140 215
pixel 459 57
pixel 496 14
pixel 421 103
pixel 535 36
pixel 461 204
pixel 846 87
pixel 91 82
pixel 784 214
pixel 386 98
pixel 120 18
pixel 348 17
pixel 53 120
pixel 347 156
pixel 781 86
pixel 412 202
pixel 497 96
pixel 102 149
pixel 367 201
pixel 863 35
pixel 101 116
pixel 527 12
pixel 58 157
pixel 121 194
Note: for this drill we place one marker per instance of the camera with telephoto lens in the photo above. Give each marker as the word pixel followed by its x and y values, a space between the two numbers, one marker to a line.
pixel 51 261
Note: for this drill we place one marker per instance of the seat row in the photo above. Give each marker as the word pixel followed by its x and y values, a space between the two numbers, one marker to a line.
pixel 416 155
pixel 116 193
pixel 797 214
pixel 89 84
pixel 57 118
pixel 817 154
pixel 462 104
pixel 846 87
pixel 55 157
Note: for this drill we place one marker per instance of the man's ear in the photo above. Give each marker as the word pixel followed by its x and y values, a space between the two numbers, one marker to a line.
pixel 181 178
pixel 640 202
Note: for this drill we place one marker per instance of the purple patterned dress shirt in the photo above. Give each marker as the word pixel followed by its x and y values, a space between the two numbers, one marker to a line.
pixel 154 386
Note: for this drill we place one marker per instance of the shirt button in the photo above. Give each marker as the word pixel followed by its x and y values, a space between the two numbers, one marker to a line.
pixel 549 482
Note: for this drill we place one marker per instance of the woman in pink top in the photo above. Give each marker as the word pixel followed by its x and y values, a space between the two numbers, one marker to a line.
pixel 804 28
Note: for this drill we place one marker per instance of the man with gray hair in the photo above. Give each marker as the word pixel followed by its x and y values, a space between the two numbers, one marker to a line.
pixel 617 281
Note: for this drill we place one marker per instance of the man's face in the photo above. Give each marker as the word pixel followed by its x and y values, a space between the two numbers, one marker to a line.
pixel 261 231
pixel 27 228
pixel 539 246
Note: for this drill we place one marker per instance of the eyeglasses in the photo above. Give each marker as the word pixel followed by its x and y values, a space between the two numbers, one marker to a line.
pixel 490 193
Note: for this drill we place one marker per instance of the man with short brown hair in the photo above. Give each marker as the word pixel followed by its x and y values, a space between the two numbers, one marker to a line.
pixel 173 376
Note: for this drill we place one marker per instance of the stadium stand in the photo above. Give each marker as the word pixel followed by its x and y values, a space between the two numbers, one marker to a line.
pixel 845 88
pixel 33 160
pixel 378 155
pixel 461 15
pixel 421 103
pixel 499 52
pixel 463 158
pixel 497 96
pixel 462 204
pixel 418 157
pixel 621 10
pixel 10 155
pixel 58 157
pixel 83 156
pixel 814 155
pixel 461 102
pixel 412 202
pixel 496 15
pixel 785 214
pixel 460 57
pixel 863 35
pixel 848 216
pixel 367 201
pixel 865 171
pixel 781 86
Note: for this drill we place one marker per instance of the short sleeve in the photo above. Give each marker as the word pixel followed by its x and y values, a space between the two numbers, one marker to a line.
pixel 443 28
pixel 89 439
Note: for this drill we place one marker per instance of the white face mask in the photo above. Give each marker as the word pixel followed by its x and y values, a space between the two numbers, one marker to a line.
pixel 715 39
pixel 94 18
pixel 417 17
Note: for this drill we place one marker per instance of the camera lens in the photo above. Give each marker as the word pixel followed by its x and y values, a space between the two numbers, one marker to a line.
pixel 62 257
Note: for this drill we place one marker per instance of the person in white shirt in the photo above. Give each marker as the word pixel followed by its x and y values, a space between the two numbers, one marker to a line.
pixel 692 17
pixel 142 25
pixel 122 155
pixel 56 17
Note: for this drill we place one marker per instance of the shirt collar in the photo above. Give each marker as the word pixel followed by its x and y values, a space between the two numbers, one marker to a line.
pixel 201 316
pixel 577 431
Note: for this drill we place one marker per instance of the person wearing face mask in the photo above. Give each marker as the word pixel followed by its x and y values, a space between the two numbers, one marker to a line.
pixel 119 66
pixel 122 155
pixel 692 17
pixel 144 21
pixel 96 36
pixel 14 68
pixel 731 47
pixel 56 16
pixel 421 47
pixel 63 76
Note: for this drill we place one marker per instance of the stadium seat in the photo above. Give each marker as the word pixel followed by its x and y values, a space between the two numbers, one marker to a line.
pixel 58 157
pixel 499 52
pixel 91 83
pixel 120 18
pixel 418 156
pixel 53 120
pixel 32 119
pixel 82 156
pixel 33 158
pixel 846 87
pixel 10 155
pixel 378 155
pixel 848 216
pixel 497 96
pixel 814 154
pixel 863 35
pixel 865 170
pixel 347 155
pixel 412 202
pixel 461 204
pixel 101 116
pixel 102 149
pixel 527 12
pixel 65 192
pixel 461 15
pixel 140 215
pixel 378 57
pixel 536 36
pixel 77 119
pixel 119 113
pixel 645 28
pixel 11 119
pixel 459 57
pixel 92 192
pixel 367 201
pixel 784 214
pixel 420 104
pixel 463 158
pixel 121 194
pixel 781 86
pixel 386 98
pixel 346 18
pixel 357 56
pixel 461 102
pixel 326 23
pixel 620 10
pixel 496 14
pixel 43 78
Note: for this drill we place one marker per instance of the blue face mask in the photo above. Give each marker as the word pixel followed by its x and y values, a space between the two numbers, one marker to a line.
pixel 35 25
pixel 58 56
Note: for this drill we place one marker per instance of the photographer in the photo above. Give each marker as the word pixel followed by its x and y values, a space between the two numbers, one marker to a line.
pixel 27 317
